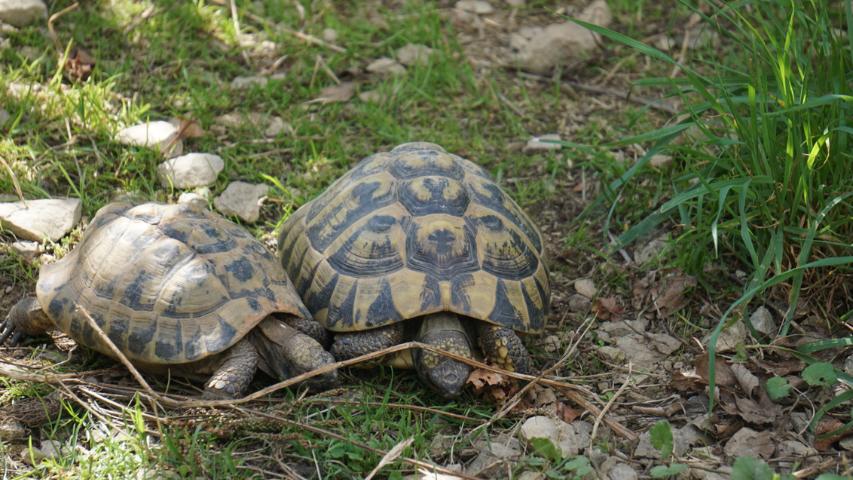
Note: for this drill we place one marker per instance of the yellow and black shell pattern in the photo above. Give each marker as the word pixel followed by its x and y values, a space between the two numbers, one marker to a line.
pixel 411 232
pixel 169 284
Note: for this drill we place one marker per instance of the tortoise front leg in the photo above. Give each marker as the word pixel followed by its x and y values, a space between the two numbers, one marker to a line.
pixel 233 377
pixel 355 344
pixel 287 352
pixel 503 347
pixel 25 318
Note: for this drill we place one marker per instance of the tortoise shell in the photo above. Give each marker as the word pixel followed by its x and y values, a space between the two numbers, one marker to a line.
pixel 411 232
pixel 168 284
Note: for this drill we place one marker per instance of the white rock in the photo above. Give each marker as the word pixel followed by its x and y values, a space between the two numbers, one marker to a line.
pixel 154 134
pixel 848 365
pixel 242 83
pixel 762 320
pixel 371 96
pixel 559 43
pixel 49 218
pixel 660 160
pixel 386 66
pixel 330 35
pixel 622 471
pixel 730 337
pixel 242 199
pixel 413 54
pixel 192 198
pixel 543 143
pixel 479 7
pixel 276 126
pixel 4 117
pixel 190 170
pixel 585 287
pixel 579 303
pixel 561 434
pixel 22 12
pixel 26 249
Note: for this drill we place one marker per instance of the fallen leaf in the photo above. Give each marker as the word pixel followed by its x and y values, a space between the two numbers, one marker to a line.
pixel 335 93
pixel 606 308
pixel 567 413
pixel 724 375
pixel 187 128
pixel 825 426
pixel 686 381
pixel 779 368
pixel 747 381
pixel 79 64
pixel 752 412
pixel 481 378
pixel 669 296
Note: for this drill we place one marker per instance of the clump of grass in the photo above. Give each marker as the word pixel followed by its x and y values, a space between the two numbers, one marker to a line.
pixel 766 172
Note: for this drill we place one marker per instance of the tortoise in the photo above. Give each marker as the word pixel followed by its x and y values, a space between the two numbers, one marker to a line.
pixel 420 234
pixel 176 288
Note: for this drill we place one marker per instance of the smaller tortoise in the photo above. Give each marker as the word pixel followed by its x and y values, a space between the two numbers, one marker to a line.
pixel 176 287
pixel 423 235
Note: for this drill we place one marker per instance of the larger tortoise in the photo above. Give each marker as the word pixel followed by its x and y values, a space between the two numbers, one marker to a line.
pixel 176 287
pixel 420 234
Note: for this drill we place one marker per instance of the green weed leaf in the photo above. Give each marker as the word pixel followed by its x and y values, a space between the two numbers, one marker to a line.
pixel 579 466
pixel 777 388
pixel 820 374
pixel 664 471
pixel 748 468
pixel 546 448
pixel 661 435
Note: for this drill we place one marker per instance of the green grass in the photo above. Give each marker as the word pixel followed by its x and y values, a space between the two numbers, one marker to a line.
pixel 767 182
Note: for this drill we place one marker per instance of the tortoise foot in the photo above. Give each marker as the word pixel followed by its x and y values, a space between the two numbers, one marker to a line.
pixel 504 348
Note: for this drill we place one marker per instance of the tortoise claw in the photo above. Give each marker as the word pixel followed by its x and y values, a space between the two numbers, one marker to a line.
pixel 7 329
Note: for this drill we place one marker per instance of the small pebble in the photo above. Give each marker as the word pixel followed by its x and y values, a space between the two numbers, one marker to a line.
pixel 19 13
pixel 242 199
pixel 585 287
pixel 479 7
pixel 190 170
pixel 386 66
pixel 330 35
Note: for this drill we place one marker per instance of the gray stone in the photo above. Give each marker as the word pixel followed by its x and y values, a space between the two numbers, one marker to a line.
pixel 622 471
pixel 243 83
pixel 561 434
pixel 682 438
pixel 579 303
pixel 276 126
pixel 330 35
pixel 848 364
pixel 157 134
pixel 479 7
pixel 560 43
pixel 542 143
pixel 413 54
pixel 242 199
pixel 49 218
pixel 192 198
pixel 762 320
pixel 651 250
pixel 386 66
pixel 4 117
pixel 371 96
pixel 19 13
pixel 26 249
pixel 190 170
pixel 585 287
pixel 531 475
pixel 730 337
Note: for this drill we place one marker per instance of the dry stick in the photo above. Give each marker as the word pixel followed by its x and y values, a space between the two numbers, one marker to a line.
pixel 55 17
pixel 607 91
pixel 302 36
pixel 518 396
pixel 337 436
pixel 607 407
pixel 404 406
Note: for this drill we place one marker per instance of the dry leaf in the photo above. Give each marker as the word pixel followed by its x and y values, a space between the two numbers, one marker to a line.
pixel 188 128
pixel 606 308
pixel 724 375
pixel 747 381
pixel 686 381
pixel 567 413
pixel 781 368
pixel 668 296
pixel 79 64
pixel 481 378
pixel 825 426
pixel 336 93
pixel 752 412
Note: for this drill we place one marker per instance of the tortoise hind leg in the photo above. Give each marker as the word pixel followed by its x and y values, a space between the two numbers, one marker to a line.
pixel 233 377
pixel 25 318
pixel 312 328
pixel 445 375
pixel 355 344
pixel 503 347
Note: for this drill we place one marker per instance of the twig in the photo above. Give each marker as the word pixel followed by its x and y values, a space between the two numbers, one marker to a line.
pixel 610 403
pixel 812 471
pixel 337 436
pixel 53 18
pixel 404 406
pixel 607 91
pixel 302 36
